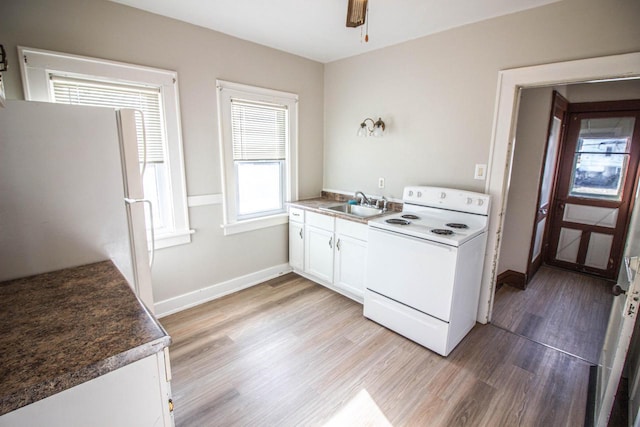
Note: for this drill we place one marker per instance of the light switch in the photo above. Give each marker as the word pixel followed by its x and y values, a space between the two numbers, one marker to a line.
pixel 380 182
pixel 481 172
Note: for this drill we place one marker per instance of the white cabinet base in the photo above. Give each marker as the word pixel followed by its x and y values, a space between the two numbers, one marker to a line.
pixel 135 395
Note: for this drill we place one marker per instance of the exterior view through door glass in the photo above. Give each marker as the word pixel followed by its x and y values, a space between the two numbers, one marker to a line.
pixel 597 175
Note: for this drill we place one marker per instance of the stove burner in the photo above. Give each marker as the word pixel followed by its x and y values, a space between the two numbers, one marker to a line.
pixel 398 221
pixel 457 225
pixel 410 216
pixel 442 232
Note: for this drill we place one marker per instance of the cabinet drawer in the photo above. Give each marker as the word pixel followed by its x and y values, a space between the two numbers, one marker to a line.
pixel 324 222
pixel 352 229
pixel 296 214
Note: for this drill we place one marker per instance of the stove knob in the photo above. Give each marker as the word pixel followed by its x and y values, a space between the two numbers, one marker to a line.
pixel 480 202
pixel 410 193
pixel 419 193
pixel 469 200
pixel 443 195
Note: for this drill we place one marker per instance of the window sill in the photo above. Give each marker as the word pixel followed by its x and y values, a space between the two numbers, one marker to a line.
pixel 173 239
pixel 255 224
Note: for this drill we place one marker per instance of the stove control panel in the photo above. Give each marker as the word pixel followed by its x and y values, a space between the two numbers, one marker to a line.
pixel 447 198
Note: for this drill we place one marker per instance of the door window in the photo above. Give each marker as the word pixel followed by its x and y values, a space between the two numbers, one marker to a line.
pixel 601 158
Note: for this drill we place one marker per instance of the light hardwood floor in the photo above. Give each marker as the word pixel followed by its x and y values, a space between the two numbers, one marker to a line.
pixel 290 352
pixel 563 309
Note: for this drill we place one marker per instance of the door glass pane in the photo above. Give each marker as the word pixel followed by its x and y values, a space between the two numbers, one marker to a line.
pixel 550 162
pixel 601 158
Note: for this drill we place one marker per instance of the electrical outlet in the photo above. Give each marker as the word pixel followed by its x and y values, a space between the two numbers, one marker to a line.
pixel 380 182
pixel 481 172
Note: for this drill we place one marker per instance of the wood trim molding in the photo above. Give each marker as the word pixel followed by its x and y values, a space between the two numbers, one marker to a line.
pixel 595 107
pixel 512 278
pixel 503 135
pixel 204 200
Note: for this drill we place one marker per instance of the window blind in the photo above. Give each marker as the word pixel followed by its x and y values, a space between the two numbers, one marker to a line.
pixel 259 131
pixel 116 95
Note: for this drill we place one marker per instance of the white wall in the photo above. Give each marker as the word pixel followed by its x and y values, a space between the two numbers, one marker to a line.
pixel 108 30
pixel 437 94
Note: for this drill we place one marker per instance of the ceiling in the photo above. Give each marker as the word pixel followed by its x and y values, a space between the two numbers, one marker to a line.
pixel 316 29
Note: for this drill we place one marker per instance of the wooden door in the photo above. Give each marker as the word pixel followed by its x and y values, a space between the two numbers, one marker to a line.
pixel 547 180
pixel 595 187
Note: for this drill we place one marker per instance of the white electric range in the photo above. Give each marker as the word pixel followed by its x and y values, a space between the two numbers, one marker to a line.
pixel 424 266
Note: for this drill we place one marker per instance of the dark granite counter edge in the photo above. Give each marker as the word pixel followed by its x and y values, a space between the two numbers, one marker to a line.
pixel 56 385
pixel 304 204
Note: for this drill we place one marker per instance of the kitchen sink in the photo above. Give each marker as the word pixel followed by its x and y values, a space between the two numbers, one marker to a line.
pixel 355 210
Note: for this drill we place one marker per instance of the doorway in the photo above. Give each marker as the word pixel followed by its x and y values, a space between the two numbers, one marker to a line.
pixel 510 83
pixel 564 310
pixel 506 114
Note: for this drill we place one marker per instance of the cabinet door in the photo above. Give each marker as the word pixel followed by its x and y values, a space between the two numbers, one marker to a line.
pixel 350 264
pixel 318 254
pixel 296 245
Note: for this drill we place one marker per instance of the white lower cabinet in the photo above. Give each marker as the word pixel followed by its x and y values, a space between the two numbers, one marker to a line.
pixel 296 245
pixel 350 264
pixel 333 251
pixel 318 253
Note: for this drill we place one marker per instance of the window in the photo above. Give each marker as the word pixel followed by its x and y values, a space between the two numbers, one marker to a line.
pixel 62 78
pixel 258 140
pixel 601 158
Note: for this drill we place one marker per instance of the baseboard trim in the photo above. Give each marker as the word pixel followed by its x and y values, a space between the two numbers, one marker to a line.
pixel 512 278
pixel 357 298
pixel 191 299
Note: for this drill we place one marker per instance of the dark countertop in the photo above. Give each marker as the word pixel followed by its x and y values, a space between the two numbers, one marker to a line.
pixel 63 328
pixel 317 203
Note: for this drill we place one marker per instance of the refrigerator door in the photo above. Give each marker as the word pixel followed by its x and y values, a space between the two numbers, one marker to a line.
pixel 134 195
pixel 61 189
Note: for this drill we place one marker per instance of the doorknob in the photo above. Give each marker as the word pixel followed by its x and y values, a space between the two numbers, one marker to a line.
pixel 616 290
pixel 542 211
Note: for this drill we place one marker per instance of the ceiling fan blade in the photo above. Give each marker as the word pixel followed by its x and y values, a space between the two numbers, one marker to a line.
pixel 356 13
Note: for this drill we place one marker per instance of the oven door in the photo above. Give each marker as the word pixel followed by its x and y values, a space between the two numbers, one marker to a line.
pixel 415 272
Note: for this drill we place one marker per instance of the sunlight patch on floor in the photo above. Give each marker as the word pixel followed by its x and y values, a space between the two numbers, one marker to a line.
pixel 359 411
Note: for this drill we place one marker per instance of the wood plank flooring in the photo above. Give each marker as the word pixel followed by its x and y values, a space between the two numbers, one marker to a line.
pixel 563 309
pixel 290 352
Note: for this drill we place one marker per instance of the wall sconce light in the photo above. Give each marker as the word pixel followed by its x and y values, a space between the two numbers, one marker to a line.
pixel 3 59
pixel 377 129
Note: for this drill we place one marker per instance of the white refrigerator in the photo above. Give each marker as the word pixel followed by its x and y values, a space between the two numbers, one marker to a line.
pixel 70 191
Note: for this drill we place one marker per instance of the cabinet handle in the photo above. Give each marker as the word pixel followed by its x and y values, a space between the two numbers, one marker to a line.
pixel 301 233
pixel 338 244
pixel 331 242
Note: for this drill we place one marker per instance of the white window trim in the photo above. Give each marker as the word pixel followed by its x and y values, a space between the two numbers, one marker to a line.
pixel 35 66
pixel 226 91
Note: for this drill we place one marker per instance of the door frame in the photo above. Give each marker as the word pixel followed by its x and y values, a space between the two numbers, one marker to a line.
pixel 510 82
pixel 559 108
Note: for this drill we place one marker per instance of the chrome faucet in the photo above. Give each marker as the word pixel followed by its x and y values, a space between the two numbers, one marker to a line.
pixel 385 202
pixel 364 200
